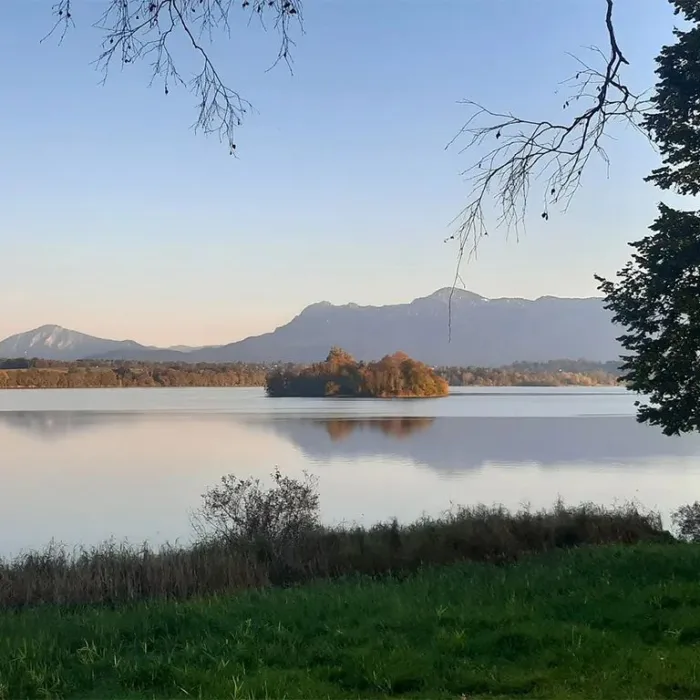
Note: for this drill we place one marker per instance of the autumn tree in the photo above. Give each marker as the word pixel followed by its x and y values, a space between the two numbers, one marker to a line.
pixel 656 296
pixel 340 375
pixel 337 357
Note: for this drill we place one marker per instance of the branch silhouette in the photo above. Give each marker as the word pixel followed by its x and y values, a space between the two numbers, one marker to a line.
pixel 134 30
pixel 520 152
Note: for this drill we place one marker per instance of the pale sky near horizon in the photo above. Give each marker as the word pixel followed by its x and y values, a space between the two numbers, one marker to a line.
pixel 118 221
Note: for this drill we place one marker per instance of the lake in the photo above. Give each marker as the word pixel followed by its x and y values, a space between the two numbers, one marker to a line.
pixel 81 466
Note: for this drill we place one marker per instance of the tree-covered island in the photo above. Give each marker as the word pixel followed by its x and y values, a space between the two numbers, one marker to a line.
pixel 341 375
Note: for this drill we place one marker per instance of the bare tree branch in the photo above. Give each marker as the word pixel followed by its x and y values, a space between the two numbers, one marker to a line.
pixel 146 29
pixel 521 151
pixel 63 16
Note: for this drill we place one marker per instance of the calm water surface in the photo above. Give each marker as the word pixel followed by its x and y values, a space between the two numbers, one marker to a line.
pixel 81 466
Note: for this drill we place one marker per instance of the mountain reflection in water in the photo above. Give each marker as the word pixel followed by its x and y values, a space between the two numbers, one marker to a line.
pixel 444 444
pixel 458 444
pixel 87 475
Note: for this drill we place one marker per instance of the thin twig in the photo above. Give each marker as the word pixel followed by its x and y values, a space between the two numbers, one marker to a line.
pixel 523 151
pixel 134 30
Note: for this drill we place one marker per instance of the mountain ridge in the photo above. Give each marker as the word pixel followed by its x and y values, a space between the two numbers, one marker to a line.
pixel 483 331
pixel 54 342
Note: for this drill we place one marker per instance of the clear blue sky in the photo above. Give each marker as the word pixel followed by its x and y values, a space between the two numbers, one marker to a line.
pixel 117 220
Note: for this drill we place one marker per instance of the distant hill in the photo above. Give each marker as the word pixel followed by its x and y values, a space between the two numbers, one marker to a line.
pixel 484 332
pixel 57 343
pixel 188 348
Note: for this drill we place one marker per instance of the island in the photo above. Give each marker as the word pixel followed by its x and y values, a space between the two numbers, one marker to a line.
pixel 340 375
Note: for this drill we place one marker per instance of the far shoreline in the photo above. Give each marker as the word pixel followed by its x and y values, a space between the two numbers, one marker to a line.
pixel 160 387
pixel 385 378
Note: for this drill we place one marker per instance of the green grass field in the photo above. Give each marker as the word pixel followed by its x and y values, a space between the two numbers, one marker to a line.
pixel 598 622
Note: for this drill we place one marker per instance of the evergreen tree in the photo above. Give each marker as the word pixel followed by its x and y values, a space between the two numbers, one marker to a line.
pixel 656 296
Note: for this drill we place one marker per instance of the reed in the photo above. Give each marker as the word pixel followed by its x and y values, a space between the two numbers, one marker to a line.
pixel 115 573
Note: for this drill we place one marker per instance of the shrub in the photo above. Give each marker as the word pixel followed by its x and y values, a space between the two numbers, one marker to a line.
pixel 239 511
pixel 687 522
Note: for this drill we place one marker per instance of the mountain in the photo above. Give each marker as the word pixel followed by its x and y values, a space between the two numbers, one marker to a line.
pixel 484 332
pixel 445 328
pixel 57 343
pixel 187 348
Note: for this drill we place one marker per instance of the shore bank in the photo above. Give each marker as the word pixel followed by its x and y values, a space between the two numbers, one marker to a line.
pixel 608 621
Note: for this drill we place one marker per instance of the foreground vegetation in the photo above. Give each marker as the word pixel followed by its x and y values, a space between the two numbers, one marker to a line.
pixel 264 549
pixel 340 374
pixel 480 602
pixel 84 374
pixel 604 622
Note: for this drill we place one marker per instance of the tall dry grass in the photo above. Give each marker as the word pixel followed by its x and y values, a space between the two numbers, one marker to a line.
pixel 115 573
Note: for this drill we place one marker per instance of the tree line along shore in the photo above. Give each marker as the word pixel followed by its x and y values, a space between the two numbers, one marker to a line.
pixel 53 374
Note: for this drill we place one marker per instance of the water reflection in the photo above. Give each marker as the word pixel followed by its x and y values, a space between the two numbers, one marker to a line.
pixel 447 445
pixel 48 425
pixel 451 445
pixel 341 428
pixel 87 475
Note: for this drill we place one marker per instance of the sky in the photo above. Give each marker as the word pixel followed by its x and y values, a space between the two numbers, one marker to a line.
pixel 117 220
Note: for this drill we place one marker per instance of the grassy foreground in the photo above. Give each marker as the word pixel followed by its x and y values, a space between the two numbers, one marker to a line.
pixel 590 622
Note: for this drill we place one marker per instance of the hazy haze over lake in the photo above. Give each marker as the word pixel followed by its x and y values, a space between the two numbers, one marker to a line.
pixel 85 465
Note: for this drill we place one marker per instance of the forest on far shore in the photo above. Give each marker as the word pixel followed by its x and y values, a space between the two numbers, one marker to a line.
pixel 83 374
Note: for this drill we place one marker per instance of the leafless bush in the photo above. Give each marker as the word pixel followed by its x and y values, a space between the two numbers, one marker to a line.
pixel 686 520
pixel 244 511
